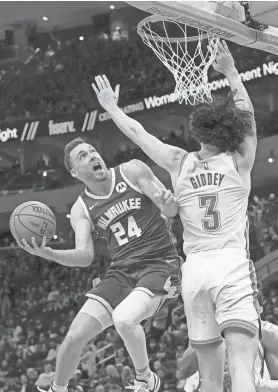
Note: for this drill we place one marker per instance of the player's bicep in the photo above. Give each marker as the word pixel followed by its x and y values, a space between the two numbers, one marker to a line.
pixel 146 180
pixel 164 155
pixel 83 235
pixel 82 228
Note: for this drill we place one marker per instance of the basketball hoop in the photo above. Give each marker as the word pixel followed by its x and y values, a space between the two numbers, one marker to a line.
pixel 188 63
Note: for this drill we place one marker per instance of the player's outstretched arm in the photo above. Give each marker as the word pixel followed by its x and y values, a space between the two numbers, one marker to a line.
pixel 81 256
pixel 164 155
pixel 225 64
pixel 142 176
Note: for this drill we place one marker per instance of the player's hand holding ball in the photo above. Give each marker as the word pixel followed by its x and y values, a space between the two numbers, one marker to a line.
pixel 106 96
pixel 224 61
pixel 32 224
pixel 35 249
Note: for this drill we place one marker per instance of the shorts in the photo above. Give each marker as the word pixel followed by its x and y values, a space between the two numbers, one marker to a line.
pixel 160 279
pixel 219 289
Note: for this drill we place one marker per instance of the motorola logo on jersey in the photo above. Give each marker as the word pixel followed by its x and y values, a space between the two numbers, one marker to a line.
pixel 121 187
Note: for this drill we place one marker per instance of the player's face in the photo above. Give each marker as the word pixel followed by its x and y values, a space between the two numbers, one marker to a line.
pixel 87 163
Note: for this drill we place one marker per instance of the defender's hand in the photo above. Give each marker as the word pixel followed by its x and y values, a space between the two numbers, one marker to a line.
pixel 224 61
pixel 35 249
pixel 106 96
pixel 165 197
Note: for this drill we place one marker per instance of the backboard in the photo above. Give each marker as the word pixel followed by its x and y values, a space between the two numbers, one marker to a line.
pixel 225 19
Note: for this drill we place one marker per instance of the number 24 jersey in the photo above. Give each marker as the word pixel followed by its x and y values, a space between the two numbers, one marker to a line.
pixel 130 222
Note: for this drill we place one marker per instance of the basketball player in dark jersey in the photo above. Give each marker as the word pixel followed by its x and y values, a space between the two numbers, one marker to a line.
pixel 265 367
pixel 124 205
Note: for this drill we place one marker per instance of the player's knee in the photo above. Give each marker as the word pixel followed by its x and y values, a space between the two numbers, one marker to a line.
pixel 82 329
pixel 122 321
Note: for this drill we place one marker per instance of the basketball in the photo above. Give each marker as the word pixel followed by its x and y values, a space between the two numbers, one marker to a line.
pixel 32 219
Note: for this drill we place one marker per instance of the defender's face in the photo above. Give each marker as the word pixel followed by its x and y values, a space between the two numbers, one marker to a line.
pixel 87 163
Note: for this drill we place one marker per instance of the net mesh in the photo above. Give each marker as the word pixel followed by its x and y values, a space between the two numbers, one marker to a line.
pixel 187 58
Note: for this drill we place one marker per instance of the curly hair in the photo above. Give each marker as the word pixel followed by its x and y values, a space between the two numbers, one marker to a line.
pixel 221 124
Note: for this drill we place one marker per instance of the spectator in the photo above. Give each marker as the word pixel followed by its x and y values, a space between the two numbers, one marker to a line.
pixel 46 378
pixel 4 369
pixel 31 375
pixel 52 353
pixel 25 385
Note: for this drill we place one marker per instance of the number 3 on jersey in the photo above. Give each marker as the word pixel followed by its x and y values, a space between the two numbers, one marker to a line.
pixel 120 234
pixel 212 220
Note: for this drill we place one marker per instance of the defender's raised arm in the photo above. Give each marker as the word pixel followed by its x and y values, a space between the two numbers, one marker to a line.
pixel 224 63
pixel 164 155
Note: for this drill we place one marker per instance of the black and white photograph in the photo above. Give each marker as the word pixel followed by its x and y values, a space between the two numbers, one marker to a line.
pixel 139 196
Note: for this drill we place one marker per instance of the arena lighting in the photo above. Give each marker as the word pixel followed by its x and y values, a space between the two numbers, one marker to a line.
pixel 81 38
pixel 112 7
pixel 45 18
pixel 271 156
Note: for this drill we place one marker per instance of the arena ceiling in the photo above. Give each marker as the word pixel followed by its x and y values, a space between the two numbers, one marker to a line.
pixel 61 14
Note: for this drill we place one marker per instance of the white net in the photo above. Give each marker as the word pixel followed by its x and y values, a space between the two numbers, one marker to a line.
pixel 187 57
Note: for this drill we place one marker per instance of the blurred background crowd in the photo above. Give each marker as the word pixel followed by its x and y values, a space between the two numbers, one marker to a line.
pixel 58 78
pixel 39 299
pixel 38 302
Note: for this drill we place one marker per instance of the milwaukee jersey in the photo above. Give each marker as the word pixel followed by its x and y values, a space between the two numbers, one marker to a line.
pixel 213 203
pixel 130 222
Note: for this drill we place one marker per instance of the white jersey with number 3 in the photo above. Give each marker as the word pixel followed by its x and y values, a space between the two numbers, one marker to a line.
pixel 213 203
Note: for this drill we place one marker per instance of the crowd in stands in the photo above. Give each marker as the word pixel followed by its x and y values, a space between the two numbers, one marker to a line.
pixel 58 78
pixel 263 220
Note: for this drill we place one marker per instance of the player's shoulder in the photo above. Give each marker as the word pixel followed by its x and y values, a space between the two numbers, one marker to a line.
pixel 134 165
pixel 77 211
pixel 134 169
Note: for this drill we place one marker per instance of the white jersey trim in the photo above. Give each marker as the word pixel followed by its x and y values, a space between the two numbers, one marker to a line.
pixel 85 209
pixel 89 194
pixel 182 162
pixel 137 189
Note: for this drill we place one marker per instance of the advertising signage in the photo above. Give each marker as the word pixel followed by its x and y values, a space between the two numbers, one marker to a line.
pixel 76 123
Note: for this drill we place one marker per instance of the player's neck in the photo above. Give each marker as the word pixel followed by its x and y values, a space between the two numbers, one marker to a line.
pixel 100 188
pixel 207 151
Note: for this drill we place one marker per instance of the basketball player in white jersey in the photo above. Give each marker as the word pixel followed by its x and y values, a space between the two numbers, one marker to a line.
pixel 212 187
pixel 265 367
